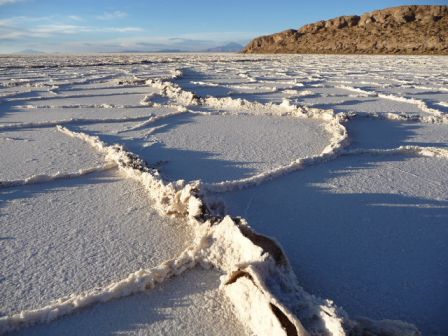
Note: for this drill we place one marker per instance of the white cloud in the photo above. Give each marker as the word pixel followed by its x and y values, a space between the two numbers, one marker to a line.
pixel 60 29
pixel 8 2
pixel 75 29
pixel 47 33
pixel 23 20
pixel 15 28
pixel 8 22
pixel 111 15
pixel 123 29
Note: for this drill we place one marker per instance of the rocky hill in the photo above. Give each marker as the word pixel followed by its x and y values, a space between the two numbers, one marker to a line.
pixel 398 30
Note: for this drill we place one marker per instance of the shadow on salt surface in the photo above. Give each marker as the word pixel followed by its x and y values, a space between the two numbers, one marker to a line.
pixel 264 98
pixel 25 115
pixel 190 165
pixel 177 163
pixel 110 89
pixel 434 103
pixel 118 102
pixel 371 105
pixel 369 233
pixel 430 95
pixel 7 107
pixel 115 98
pixel 213 86
pixel 223 147
pixel 73 235
pixel 205 90
pixel 377 133
pixel 80 97
pixel 190 304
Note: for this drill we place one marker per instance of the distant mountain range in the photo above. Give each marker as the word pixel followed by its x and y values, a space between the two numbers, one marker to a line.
pixel 398 30
pixel 138 51
pixel 229 47
pixel 30 52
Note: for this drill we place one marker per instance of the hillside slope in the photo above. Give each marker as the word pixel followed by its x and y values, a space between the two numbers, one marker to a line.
pixel 398 30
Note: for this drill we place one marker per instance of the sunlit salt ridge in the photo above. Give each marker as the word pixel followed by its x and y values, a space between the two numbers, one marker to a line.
pixel 344 166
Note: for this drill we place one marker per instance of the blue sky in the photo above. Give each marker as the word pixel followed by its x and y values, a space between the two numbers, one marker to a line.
pixel 113 25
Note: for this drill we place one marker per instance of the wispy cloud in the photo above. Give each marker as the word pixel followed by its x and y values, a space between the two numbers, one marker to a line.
pixel 71 33
pixel 22 20
pixel 8 2
pixel 122 29
pixel 119 43
pixel 111 15
pixel 75 17
pixel 19 27
pixel 53 29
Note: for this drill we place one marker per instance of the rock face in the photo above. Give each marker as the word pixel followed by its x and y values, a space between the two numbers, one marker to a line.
pixel 398 30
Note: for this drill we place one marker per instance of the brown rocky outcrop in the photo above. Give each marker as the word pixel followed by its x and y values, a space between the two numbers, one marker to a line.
pixel 398 30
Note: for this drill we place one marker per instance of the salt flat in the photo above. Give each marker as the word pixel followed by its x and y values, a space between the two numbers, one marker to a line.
pixel 71 235
pixel 218 147
pixel 141 192
pixel 43 151
pixel 188 305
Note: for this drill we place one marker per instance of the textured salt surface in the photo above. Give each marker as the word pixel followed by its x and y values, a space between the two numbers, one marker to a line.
pixel 32 152
pixel 72 235
pixel 187 305
pixel 369 133
pixel 226 147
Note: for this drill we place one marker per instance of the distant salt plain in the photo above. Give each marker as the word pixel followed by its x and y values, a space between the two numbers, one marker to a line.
pixel 342 160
